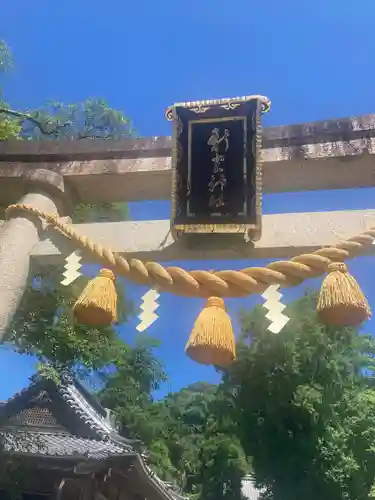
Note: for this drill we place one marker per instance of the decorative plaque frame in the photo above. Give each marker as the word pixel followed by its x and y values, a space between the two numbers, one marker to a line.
pixel 216 165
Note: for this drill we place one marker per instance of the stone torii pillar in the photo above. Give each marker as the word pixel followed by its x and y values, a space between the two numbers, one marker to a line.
pixel 45 191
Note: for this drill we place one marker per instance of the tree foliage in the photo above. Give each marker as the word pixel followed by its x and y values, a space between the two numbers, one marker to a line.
pixel 43 325
pixel 189 435
pixel 128 390
pixel 9 127
pixel 304 404
pixel 223 465
pixel 295 409
pixel 90 119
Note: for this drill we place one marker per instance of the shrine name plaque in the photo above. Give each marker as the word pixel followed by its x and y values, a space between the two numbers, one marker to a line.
pixel 216 166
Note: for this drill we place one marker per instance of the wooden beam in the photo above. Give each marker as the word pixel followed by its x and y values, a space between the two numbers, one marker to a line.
pixel 283 236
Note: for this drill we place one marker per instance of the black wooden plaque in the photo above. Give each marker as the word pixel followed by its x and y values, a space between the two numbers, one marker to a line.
pixel 216 167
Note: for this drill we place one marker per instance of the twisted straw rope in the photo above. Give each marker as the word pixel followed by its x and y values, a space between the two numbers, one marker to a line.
pixel 206 284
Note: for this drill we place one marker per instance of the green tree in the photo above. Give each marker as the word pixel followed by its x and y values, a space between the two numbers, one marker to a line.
pixel 161 462
pixel 9 127
pixel 43 325
pixel 304 403
pixel 90 119
pixel 190 435
pixel 223 464
pixel 128 390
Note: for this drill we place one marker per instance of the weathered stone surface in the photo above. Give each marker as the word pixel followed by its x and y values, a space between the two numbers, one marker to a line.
pixel 332 154
pixel 336 130
pixel 37 179
pixel 283 236
pixel 18 237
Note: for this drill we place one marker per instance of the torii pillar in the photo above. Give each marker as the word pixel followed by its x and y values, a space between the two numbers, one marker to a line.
pixel 45 191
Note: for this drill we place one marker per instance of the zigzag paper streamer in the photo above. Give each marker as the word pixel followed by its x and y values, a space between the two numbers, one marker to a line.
pixel 148 306
pixel 275 309
pixel 72 267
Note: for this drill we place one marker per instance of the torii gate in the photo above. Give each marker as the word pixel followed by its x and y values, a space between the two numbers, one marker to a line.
pixel 54 176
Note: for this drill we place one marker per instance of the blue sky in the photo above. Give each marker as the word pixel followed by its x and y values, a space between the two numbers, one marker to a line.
pixel 311 58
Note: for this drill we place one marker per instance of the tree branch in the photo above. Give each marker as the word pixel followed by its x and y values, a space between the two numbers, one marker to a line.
pixel 27 116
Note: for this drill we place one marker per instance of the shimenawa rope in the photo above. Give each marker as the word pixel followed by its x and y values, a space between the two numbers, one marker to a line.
pixel 200 283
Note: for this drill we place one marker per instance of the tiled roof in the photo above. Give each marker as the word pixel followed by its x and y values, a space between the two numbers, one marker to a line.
pixel 59 445
pixel 90 413
pixel 102 442
pixel 248 489
pixel 87 413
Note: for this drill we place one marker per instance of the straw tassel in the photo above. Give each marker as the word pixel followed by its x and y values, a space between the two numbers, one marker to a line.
pixel 341 301
pixel 212 341
pixel 97 304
